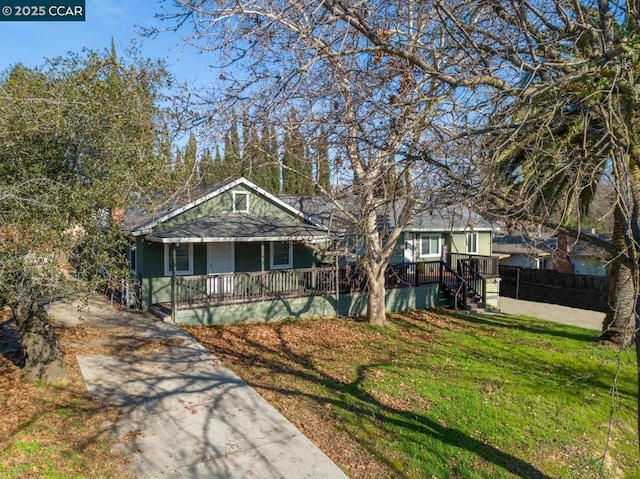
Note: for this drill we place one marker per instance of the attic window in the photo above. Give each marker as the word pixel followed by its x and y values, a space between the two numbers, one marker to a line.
pixel 240 202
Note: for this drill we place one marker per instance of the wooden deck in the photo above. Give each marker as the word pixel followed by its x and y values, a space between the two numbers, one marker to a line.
pixel 234 288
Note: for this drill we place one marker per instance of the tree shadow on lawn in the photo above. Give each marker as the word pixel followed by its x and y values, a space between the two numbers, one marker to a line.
pixel 364 404
pixel 535 326
pixel 567 372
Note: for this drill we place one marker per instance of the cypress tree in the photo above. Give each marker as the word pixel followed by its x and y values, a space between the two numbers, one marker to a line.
pixel 323 171
pixel 207 169
pixel 232 152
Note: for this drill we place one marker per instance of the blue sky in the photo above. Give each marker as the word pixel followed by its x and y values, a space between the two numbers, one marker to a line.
pixel 31 42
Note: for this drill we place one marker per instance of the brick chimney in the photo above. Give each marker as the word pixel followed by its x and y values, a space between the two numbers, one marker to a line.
pixel 562 261
pixel 563 243
pixel 117 215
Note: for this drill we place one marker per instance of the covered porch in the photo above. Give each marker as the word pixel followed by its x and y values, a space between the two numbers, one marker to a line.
pixel 328 281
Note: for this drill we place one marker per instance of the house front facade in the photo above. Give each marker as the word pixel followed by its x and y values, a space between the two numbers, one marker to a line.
pixel 232 227
pixel 235 251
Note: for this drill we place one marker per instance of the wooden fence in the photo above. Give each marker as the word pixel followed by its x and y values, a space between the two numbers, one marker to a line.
pixel 545 286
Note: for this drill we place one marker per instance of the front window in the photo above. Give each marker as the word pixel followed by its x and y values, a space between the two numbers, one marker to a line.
pixel 184 259
pixel 472 243
pixel 430 245
pixel 281 255
pixel 240 202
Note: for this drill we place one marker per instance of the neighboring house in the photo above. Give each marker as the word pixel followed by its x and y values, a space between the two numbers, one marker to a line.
pixel 559 253
pixel 241 253
pixel 524 252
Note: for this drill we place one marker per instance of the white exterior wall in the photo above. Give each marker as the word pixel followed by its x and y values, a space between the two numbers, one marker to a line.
pixel 590 267
pixel 521 261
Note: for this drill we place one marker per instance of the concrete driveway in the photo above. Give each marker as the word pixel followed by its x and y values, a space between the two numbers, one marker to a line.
pixel 186 415
pixel 553 312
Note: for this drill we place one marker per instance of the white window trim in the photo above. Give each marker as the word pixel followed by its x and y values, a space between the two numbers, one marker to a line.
pixel 132 257
pixel 430 255
pixel 167 269
pixel 238 193
pixel 477 241
pixel 289 265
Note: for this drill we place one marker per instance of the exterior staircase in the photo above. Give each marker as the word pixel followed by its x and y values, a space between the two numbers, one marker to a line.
pixel 466 286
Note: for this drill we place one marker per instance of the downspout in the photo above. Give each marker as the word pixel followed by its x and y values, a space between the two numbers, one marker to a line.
pixel 174 301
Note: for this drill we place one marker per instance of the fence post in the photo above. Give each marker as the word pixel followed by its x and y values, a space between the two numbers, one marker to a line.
pixel 517 282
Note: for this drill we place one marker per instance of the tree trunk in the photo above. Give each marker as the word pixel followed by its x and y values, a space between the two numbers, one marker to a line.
pixel 619 323
pixel 376 313
pixel 43 353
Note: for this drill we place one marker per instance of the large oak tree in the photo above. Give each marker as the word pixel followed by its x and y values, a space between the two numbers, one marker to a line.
pixel 77 138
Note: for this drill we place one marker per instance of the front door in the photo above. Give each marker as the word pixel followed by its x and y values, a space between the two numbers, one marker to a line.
pixel 220 259
pixel 409 256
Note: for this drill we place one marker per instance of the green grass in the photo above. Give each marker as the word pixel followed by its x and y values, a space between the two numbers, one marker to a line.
pixel 515 397
pixel 456 395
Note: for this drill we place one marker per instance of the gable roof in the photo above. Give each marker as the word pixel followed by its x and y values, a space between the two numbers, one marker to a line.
pixel 445 219
pixel 141 220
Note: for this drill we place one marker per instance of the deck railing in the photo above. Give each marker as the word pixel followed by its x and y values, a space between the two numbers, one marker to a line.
pixel 487 266
pixel 254 286
pixel 240 287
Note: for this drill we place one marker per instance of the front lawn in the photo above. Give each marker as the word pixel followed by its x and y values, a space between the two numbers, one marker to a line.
pixel 445 395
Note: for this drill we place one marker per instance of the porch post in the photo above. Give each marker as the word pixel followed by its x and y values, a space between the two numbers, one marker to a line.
pixel 337 266
pixel 262 258
pixel 173 282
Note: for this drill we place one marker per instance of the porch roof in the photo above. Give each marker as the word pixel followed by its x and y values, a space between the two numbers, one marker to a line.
pixel 237 228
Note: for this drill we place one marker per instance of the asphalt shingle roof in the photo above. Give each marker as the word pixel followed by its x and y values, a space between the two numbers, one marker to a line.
pixel 452 218
pixel 239 228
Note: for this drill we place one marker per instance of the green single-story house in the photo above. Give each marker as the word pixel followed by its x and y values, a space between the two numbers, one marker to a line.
pixel 234 252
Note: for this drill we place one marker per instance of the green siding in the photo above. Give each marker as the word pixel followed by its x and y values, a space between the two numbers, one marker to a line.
pixel 200 258
pixel 458 243
pixel 263 311
pixel 223 205
pixel 248 257
pixel 401 299
pixel 398 251
pixel 153 259
pixel 303 257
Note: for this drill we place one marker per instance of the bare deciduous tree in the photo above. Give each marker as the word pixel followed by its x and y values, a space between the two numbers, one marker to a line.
pixel 372 81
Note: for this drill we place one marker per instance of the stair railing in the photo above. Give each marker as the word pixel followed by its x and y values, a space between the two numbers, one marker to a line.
pixel 455 283
pixel 477 283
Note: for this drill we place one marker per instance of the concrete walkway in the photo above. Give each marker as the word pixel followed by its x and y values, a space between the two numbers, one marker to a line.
pixel 553 312
pixel 185 414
